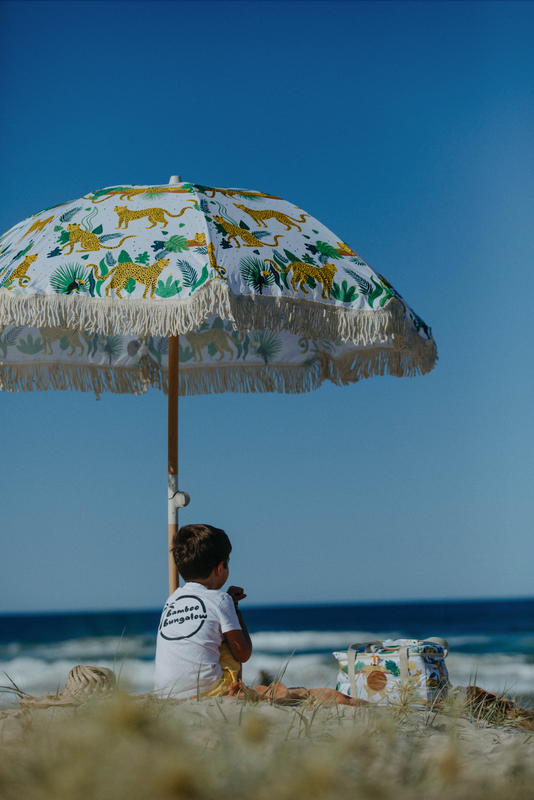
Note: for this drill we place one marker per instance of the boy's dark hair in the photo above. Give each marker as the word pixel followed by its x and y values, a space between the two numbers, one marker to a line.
pixel 198 549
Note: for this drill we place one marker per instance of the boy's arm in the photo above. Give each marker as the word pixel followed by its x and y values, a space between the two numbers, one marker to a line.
pixel 239 641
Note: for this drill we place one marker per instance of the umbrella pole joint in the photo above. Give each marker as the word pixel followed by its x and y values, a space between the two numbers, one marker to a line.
pixel 176 499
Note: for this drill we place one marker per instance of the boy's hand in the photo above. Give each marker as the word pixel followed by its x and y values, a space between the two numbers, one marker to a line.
pixel 236 593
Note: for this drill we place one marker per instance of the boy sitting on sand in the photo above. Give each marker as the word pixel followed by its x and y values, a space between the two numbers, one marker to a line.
pixel 202 637
pixel 191 655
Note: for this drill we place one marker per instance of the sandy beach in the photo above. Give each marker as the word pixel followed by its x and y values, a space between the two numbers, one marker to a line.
pixel 227 748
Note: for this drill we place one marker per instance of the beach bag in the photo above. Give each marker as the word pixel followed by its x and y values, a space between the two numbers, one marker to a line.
pixel 395 670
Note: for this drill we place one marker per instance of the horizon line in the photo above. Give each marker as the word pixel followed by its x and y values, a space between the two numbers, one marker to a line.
pixel 332 603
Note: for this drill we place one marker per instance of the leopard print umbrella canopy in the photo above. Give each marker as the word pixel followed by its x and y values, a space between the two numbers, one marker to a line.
pixel 264 297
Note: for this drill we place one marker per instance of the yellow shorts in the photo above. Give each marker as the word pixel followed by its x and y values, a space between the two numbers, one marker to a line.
pixel 230 668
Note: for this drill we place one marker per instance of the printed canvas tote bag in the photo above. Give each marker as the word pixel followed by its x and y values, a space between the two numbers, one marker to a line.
pixel 383 672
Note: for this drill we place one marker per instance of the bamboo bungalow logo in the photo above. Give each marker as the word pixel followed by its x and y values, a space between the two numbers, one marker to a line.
pixel 183 618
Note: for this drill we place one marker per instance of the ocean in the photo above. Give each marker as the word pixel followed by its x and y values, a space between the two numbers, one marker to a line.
pixel 491 642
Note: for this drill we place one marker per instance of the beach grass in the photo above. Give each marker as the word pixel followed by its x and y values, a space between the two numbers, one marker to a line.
pixel 125 748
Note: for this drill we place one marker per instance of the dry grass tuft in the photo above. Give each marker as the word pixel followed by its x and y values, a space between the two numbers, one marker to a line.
pixel 496 710
pixel 126 749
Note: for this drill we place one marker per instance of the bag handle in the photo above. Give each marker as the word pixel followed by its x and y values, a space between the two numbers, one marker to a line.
pixel 403 658
pixel 372 647
pixel 443 642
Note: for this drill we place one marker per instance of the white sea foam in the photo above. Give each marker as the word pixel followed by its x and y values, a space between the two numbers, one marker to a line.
pixel 295 641
pixel 114 647
pixel 311 670
pixel 465 641
pixel 495 672
pixel 289 641
pixel 306 656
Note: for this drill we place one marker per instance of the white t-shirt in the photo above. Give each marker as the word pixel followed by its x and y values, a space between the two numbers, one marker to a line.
pixel 190 633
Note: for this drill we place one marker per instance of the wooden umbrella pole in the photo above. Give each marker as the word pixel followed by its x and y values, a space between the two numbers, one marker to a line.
pixel 176 499
pixel 174 343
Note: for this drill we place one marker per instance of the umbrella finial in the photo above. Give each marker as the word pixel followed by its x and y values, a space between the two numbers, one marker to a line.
pixel 174 179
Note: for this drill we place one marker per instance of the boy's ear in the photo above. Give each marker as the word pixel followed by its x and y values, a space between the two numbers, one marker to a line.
pixel 219 568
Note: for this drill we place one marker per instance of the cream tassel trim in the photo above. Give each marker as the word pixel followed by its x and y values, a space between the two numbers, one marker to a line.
pixel 297 379
pixel 79 377
pixel 306 318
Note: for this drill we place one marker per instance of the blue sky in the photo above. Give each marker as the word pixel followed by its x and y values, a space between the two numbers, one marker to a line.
pixel 406 128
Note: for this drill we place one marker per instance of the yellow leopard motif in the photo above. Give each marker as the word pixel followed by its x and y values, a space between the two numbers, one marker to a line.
pixel 127 194
pixel 51 335
pixel 221 272
pixel 236 192
pixel 199 240
pixel 89 241
pixel 259 215
pixel 37 227
pixel 154 215
pixel 20 272
pixel 344 250
pixel 121 274
pixel 216 336
pixel 249 240
pixel 302 271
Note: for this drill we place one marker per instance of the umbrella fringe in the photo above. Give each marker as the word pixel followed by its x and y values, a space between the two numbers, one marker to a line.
pixel 78 377
pixel 193 380
pixel 307 318
pixel 295 379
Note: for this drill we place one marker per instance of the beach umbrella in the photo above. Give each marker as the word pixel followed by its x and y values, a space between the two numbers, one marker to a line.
pixel 194 289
